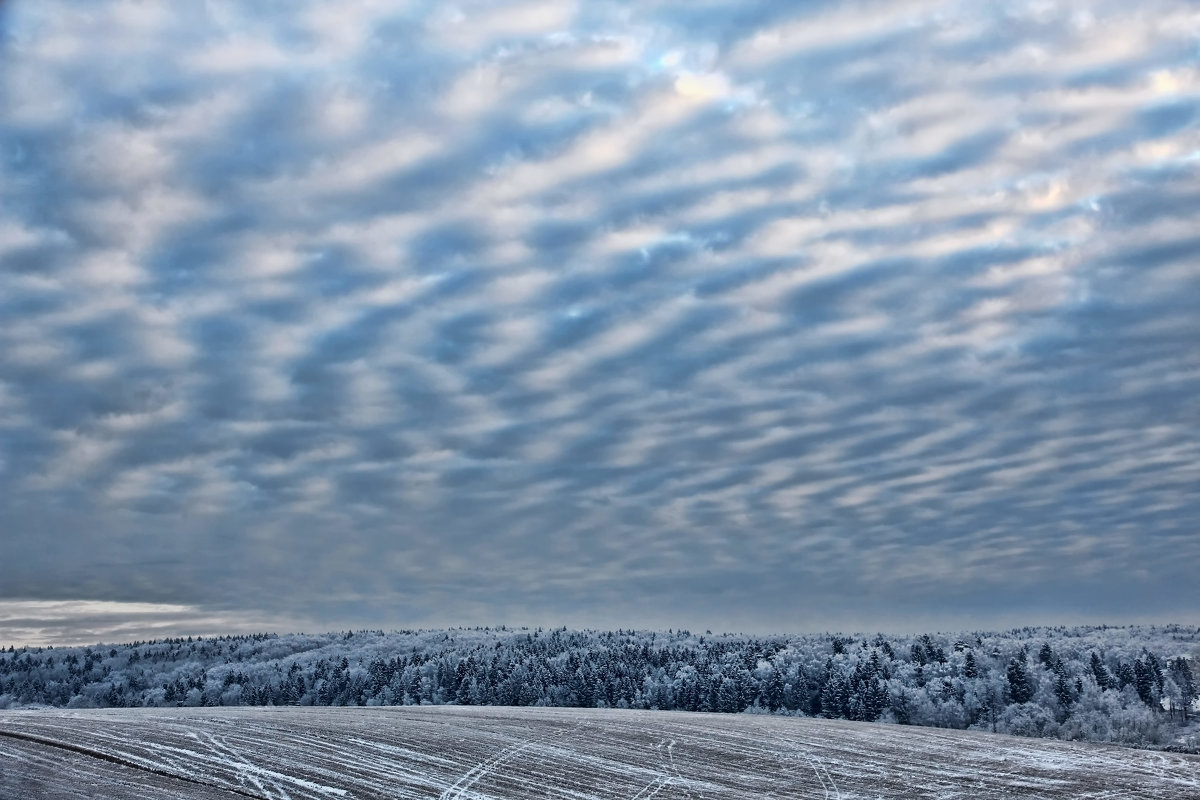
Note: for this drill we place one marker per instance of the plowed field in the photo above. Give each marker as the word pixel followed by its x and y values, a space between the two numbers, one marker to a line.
pixel 521 753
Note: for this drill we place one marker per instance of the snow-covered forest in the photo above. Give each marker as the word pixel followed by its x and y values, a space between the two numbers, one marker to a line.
pixel 1130 685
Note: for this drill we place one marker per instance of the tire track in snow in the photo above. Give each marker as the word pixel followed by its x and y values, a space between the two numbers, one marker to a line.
pixel 537 753
pixel 827 783
pixel 661 782
pixel 463 784
pixel 219 760
pixel 244 767
pixel 125 763
pixel 684 783
pixel 787 756
pixel 225 753
pixel 484 768
pixel 732 742
pixel 653 787
pixel 329 759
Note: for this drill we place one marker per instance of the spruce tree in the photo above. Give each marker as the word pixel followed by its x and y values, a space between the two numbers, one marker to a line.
pixel 1046 655
pixel 1062 691
pixel 1100 672
pixel 971 668
pixel 1144 683
pixel 1020 685
pixel 1181 671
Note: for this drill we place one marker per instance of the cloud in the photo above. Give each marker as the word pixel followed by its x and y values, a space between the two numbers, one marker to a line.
pixel 666 314
pixel 64 623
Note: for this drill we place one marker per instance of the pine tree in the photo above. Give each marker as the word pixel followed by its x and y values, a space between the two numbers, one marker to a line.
pixel 1062 691
pixel 1156 671
pixel 875 699
pixel 1100 672
pixel 773 691
pixel 1046 655
pixel 1187 684
pixel 916 654
pixel 729 699
pixel 1125 675
pixel 1020 685
pixel 1144 683
pixel 971 668
pixel 834 696
pixel 1181 671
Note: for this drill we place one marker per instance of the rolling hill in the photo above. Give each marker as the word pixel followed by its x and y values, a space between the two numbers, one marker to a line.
pixel 451 752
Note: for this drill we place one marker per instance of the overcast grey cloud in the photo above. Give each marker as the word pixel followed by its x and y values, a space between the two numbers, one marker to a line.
pixel 756 315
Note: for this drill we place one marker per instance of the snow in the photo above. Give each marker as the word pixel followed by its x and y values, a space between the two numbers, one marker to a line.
pixel 491 753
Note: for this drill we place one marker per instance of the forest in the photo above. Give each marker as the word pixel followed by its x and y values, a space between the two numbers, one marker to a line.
pixel 1133 685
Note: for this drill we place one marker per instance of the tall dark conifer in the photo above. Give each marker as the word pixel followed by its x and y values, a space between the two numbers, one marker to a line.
pixel 1020 685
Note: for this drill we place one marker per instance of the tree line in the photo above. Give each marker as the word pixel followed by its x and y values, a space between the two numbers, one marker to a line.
pixel 1132 685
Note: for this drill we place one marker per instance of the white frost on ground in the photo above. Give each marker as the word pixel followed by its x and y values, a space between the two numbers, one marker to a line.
pixel 467 753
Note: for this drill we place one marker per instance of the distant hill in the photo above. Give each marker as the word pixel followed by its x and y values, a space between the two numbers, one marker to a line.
pixel 1128 685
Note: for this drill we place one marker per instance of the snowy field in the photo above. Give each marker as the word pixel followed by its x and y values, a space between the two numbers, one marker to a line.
pixel 521 753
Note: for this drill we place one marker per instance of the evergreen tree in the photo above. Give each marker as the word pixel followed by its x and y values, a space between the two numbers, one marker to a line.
pixel 1020 685
pixel 833 697
pixel 1144 683
pixel 1156 671
pixel 1181 671
pixel 772 692
pixel 875 700
pixel 970 667
pixel 1100 672
pixel 1046 655
pixel 729 698
pixel 1125 675
pixel 1062 692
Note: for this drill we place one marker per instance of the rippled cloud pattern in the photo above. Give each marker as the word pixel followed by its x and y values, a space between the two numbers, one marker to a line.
pixel 758 315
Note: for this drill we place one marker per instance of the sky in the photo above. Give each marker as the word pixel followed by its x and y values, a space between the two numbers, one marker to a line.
pixel 745 316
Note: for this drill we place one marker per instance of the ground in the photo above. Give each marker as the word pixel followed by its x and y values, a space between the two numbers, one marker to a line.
pixel 521 753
